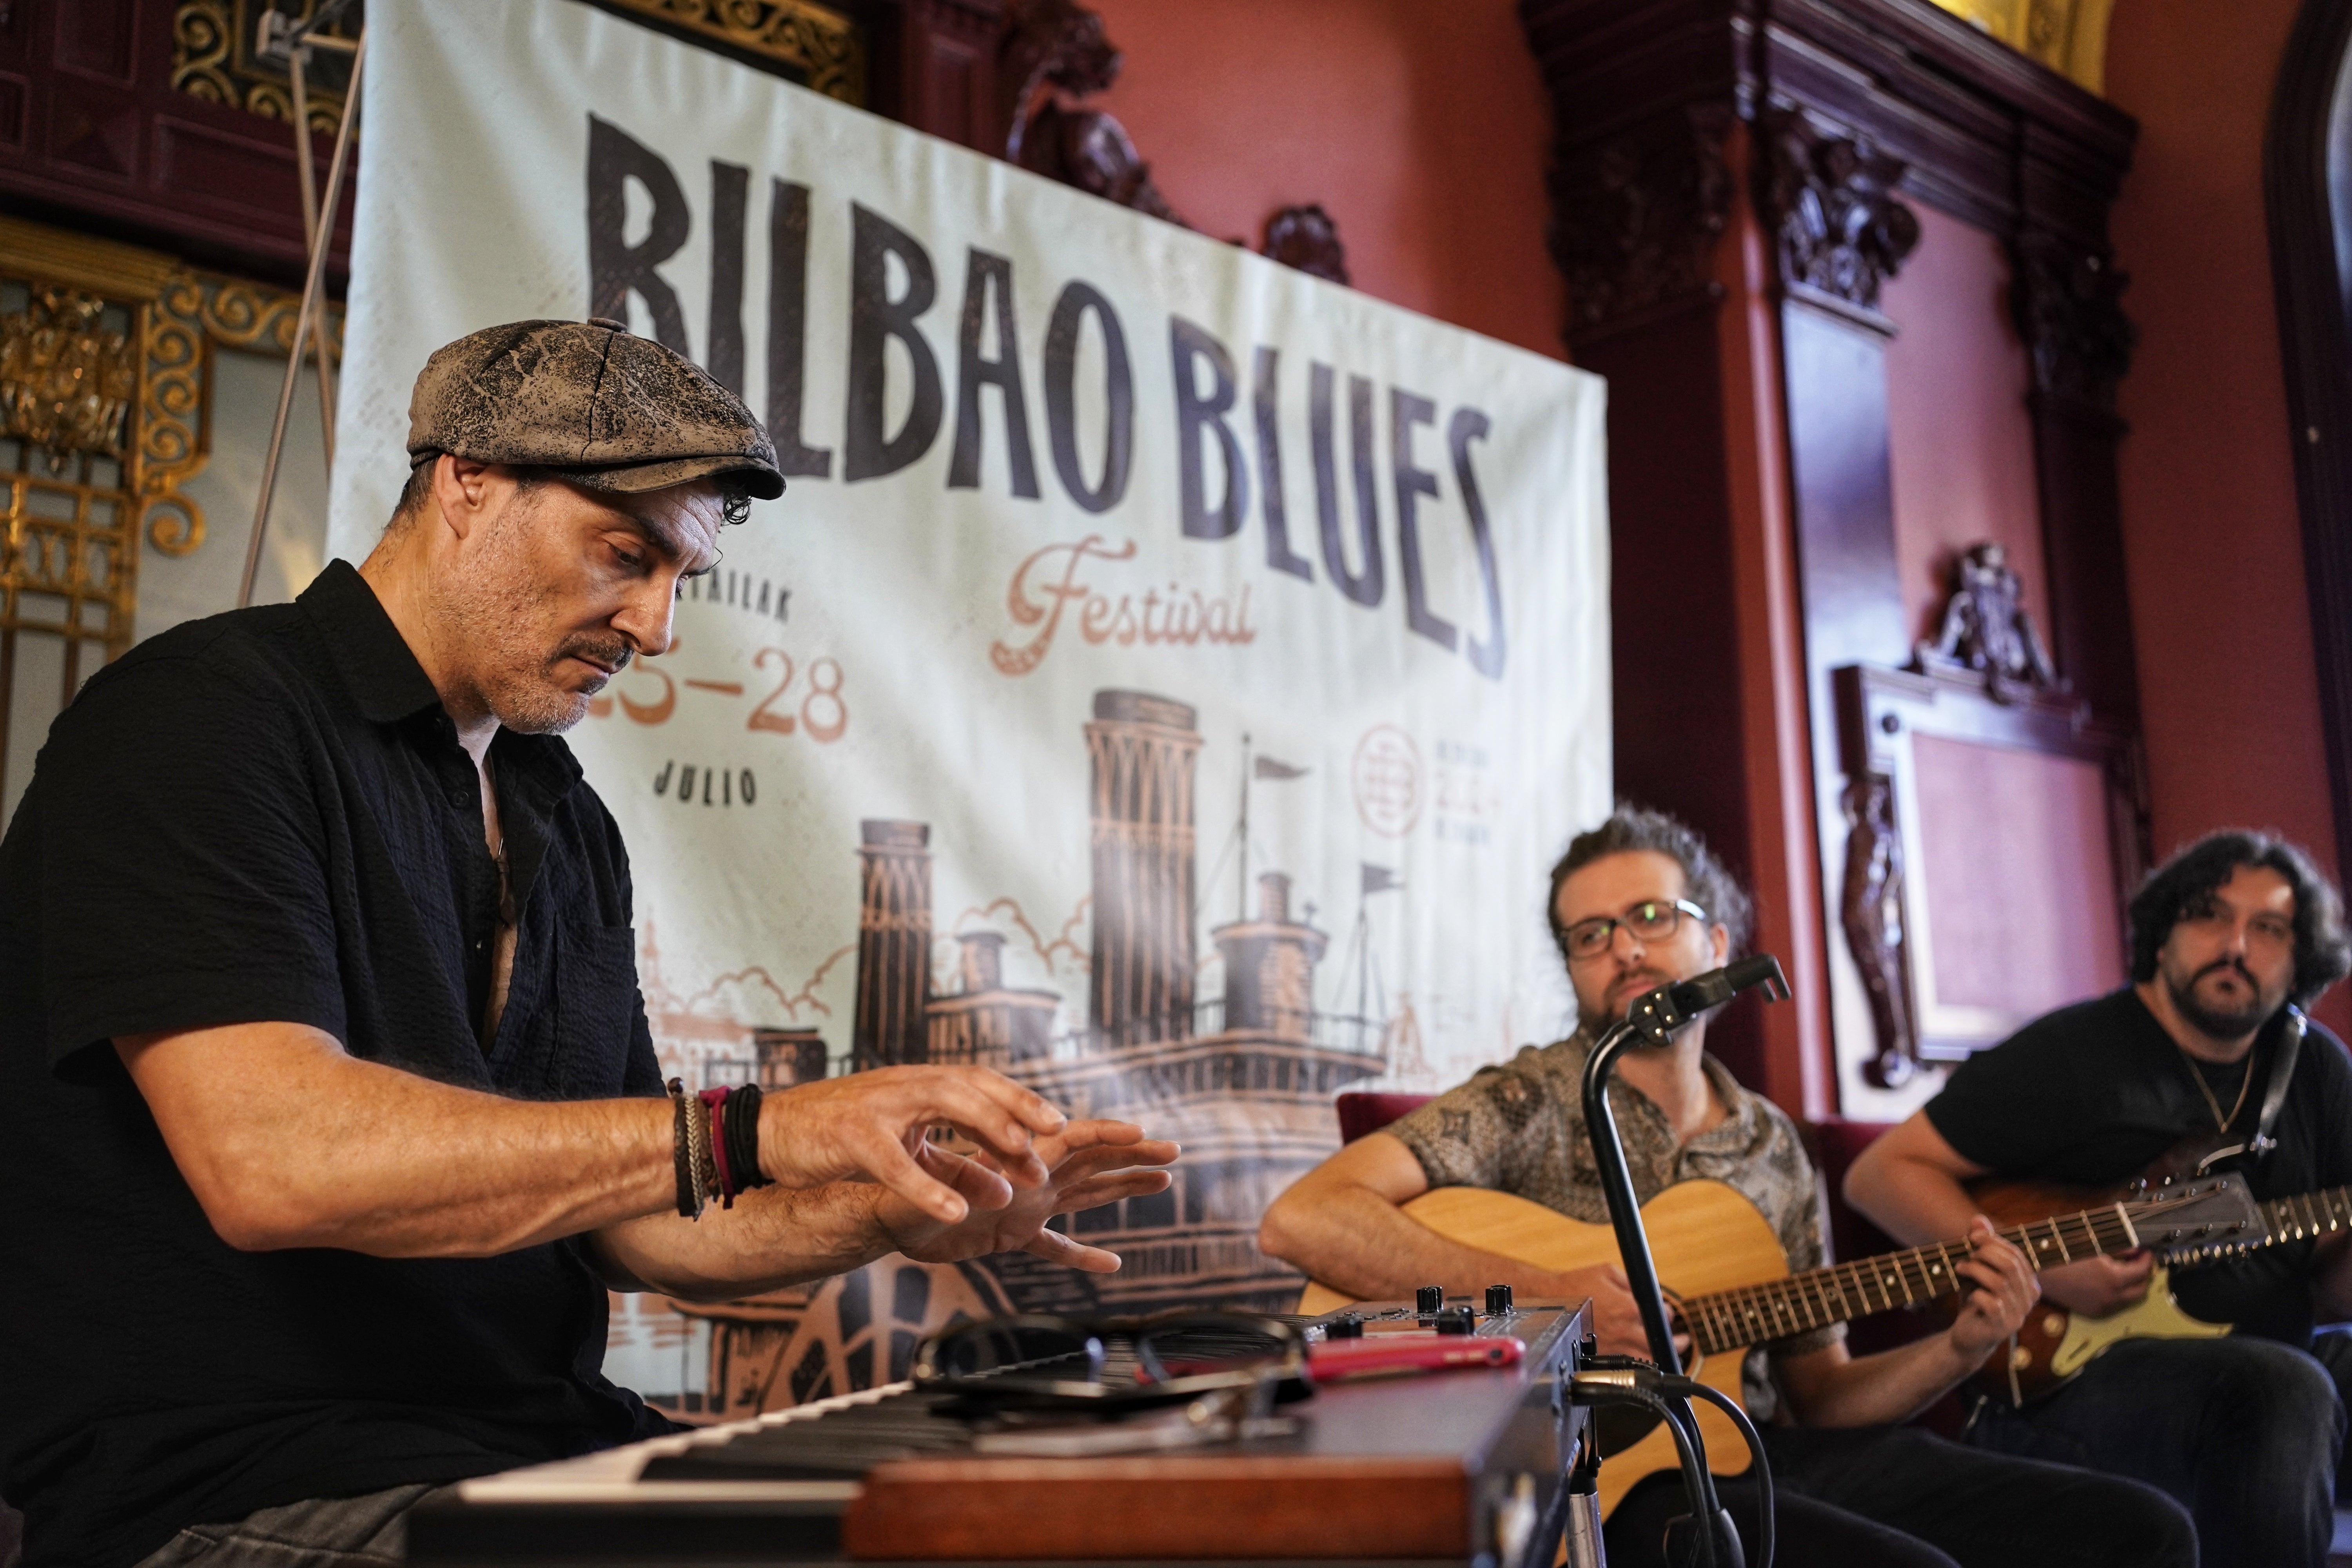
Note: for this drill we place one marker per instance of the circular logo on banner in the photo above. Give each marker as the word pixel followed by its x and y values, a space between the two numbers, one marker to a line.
pixel 1387 778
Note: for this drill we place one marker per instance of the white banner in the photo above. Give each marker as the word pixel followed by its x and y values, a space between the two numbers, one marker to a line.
pixel 1169 677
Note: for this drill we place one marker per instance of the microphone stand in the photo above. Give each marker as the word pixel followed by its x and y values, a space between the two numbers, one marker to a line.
pixel 1651 1020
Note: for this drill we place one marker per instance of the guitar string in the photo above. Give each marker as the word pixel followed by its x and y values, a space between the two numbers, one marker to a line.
pixel 1798 1302
pixel 1735 1317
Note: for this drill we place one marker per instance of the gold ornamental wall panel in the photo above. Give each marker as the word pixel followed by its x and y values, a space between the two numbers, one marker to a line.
pixel 105 372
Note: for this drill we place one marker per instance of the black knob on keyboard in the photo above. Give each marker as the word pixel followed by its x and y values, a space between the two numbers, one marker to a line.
pixel 1429 1298
pixel 1457 1321
pixel 1498 1299
pixel 1346 1326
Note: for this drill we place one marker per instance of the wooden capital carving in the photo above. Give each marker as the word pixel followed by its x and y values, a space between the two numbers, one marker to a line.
pixel 1056 54
pixel 1829 198
pixel 1636 219
pixel 2068 300
pixel 1308 237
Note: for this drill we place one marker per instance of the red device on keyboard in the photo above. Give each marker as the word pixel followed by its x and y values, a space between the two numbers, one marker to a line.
pixel 1383 1355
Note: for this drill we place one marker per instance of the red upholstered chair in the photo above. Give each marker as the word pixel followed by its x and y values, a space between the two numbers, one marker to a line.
pixel 1835 1144
pixel 1362 1113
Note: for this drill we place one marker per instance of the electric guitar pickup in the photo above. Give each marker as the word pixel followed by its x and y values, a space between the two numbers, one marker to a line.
pixel 1728 1285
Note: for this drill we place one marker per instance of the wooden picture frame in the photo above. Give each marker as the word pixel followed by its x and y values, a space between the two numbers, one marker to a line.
pixel 1995 833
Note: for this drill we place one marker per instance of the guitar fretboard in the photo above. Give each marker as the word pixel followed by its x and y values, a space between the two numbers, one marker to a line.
pixel 1751 1314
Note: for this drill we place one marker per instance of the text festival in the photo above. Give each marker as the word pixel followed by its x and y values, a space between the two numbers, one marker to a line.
pixel 1201 368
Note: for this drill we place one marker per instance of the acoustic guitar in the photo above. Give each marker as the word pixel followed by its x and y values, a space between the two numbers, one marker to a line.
pixel 1728 1285
pixel 2055 1344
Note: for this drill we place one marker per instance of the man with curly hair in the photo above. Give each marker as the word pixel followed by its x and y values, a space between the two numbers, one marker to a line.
pixel 1640 902
pixel 2229 938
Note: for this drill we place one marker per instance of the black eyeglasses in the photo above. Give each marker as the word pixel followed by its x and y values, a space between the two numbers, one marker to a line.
pixel 1037 1359
pixel 1653 919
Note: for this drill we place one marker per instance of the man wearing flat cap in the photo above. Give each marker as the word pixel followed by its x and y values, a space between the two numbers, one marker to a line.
pixel 328 1108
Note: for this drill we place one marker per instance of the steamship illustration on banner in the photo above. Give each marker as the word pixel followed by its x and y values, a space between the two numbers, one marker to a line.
pixel 1245 1081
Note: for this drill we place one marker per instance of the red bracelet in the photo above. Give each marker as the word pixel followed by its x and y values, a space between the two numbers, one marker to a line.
pixel 715 1100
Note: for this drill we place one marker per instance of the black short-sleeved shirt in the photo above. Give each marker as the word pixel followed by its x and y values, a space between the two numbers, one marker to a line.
pixel 266 816
pixel 2095 1093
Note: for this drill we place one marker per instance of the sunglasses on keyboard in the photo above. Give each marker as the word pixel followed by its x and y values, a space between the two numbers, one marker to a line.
pixel 1038 1360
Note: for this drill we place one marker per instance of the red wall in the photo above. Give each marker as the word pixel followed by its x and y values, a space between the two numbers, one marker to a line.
pixel 1959 440
pixel 2212 541
pixel 1431 158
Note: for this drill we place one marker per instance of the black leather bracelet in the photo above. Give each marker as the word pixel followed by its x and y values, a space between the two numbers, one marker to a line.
pixel 742 1125
pixel 690 1193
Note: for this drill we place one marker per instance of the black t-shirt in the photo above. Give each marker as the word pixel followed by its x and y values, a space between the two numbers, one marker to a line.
pixel 2095 1093
pixel 266 816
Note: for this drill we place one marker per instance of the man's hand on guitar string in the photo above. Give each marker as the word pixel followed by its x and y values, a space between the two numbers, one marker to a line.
pixel 2097 1287
pixel 1616 1321
pixel 1087 1164
pixel 2004 1291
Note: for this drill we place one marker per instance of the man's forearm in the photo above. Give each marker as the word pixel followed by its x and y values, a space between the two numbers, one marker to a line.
pixel 1910 1200
pixel 289 1141
pixel 1355 1241
pixel 772 1237
pixel 1887 1387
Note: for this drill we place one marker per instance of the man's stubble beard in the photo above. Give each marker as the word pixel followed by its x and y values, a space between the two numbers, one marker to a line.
pixel 495 610
pixel 2218 1024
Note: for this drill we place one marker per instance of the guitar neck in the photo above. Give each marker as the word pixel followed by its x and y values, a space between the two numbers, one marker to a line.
pixel 1751 1314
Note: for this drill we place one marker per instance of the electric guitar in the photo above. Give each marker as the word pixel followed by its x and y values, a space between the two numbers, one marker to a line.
pixel 1727 1281
pixel 2054 1344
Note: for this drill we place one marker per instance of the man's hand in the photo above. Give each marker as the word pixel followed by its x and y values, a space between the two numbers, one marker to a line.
pixel 2099 1286
pixel 2006 1290
pixel 871 1126
pixel 1616 1321
pixel 1086 1164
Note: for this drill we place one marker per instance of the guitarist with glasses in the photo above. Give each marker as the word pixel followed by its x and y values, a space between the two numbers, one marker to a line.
pixel 1640 902
pixel 2194 1056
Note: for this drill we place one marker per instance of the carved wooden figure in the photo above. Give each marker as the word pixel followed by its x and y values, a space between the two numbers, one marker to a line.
pixel 1872 913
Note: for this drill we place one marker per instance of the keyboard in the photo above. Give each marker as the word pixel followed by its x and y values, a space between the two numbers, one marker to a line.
pixel 1461 1467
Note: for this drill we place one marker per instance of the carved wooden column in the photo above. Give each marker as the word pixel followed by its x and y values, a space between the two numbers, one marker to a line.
pixel 1668 298
pixel 935 65
pixel 1732 188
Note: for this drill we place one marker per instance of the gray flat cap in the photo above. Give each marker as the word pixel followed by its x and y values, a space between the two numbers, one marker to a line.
pixel 592 401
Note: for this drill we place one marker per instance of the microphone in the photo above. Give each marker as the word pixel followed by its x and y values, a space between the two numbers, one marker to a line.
pixel 1658 1014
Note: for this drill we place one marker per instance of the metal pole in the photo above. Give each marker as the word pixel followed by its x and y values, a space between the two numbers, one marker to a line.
pixel 1241 911
pixel 1617 1186
pixel 296 70
pixel 311 287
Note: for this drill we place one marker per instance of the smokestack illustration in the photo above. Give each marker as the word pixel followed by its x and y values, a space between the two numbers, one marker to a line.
pixel 1142 749
pixel 894 943
pixel 1270 965
pixel 985 1024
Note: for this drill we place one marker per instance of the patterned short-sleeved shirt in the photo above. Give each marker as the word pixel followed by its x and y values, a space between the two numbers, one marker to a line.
pixel 1518 1127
